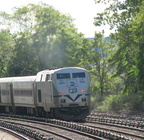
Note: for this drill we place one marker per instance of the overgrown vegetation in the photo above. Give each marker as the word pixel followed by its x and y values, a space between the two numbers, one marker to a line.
pixel 37 37
pixel 127 18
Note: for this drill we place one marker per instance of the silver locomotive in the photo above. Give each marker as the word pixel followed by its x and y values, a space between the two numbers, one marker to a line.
pixel 62 93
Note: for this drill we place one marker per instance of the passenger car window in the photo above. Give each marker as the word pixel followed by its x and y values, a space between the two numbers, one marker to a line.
pixel 63 76
pixel 78 75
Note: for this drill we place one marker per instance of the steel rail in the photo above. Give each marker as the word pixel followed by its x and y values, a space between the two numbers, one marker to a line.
pixel 14 133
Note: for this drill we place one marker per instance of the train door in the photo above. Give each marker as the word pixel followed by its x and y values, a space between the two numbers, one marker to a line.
pixel 0 94
pixel 12 98
pixel 39 96
pixel 45 92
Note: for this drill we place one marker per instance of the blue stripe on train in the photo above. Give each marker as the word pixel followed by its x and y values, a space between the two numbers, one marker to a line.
pixel 75 97
pixel 68 96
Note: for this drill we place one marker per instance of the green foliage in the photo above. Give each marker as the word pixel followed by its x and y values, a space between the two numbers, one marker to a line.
pixel 71 41
pixel 118 13
pixel 129 31
pixel 137 33
pixel 101 71
pixel 24 62
pixel 94 55
pixel 127 17
pixel 130 52
pixel 122 102
pixel 111 102
pixel 43 38
pixel 6 50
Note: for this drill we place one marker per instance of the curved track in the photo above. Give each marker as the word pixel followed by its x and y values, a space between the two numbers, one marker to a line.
pixel 49 130
pixel 10 134
pixel 97 130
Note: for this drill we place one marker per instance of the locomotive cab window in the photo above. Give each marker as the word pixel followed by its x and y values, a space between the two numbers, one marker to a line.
pixel 63 76
pixel 78 75
pixel 47 77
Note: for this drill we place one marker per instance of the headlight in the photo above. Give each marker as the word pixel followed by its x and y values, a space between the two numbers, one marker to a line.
pixel 73 90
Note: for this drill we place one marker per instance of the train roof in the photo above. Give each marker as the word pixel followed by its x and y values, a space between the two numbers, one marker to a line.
pixel 60 69
pixel 33 78
pixel 19 79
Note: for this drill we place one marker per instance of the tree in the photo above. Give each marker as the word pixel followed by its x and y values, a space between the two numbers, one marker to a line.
pixel 24 60
pixel 43 39
pixel 94 55
pixel 101 53
pixel 123 14
pixel 6 50
pixel 127 19
pixel 50 22
pixel 137 30
pixel 118 13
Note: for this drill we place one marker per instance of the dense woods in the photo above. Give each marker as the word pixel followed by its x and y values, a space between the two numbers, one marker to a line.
pixel 38 37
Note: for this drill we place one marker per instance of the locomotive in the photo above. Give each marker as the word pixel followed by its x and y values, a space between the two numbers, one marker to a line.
pixel 62 93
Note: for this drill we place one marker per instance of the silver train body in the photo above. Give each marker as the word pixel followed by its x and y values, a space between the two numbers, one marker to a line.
pixel 60 93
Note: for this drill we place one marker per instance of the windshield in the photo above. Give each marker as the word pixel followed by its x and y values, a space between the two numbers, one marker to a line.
pixel 78 75
pixel 63 76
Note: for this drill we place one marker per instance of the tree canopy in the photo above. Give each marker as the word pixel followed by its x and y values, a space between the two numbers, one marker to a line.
pixel 42 38
pixel 126 17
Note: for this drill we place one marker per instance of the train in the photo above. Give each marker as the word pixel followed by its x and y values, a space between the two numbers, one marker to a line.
pixel 62 93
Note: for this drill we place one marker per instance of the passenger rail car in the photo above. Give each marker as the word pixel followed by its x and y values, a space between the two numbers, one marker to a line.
pixel 59 93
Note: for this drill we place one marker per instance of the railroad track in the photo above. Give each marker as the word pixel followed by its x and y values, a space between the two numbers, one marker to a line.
pixel 45 129
pixel 75 130
pixel 129 132
pixel 131 126
pixel 13 134
pixel 32 130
